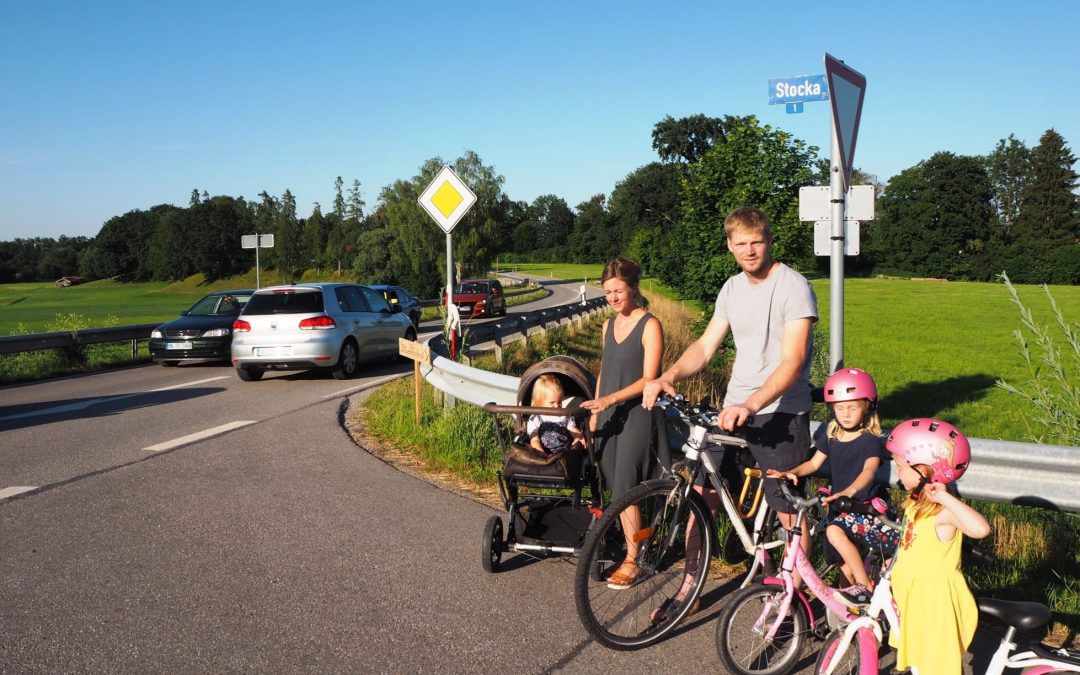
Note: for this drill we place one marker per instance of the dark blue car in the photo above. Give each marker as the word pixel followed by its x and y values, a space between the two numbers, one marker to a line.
pixel 396 295
pixel 202 333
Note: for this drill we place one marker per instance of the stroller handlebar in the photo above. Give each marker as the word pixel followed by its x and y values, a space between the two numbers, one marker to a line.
pixel 497 409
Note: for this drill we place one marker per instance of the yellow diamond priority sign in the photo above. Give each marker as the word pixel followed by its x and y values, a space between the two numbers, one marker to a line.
pixel 447 198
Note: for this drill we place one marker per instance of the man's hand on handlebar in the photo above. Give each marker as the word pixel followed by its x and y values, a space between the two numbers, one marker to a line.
pixel 734 416
pixel 654 389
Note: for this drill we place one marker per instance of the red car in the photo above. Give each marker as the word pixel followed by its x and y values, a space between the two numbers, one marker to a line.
pixel 479 297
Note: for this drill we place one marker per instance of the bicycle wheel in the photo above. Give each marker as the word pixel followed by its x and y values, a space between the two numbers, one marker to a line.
pixel 860 657
pixel 638 616
pixel 741 627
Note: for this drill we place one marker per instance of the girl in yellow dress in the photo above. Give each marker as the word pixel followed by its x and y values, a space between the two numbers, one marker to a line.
pixel 938 613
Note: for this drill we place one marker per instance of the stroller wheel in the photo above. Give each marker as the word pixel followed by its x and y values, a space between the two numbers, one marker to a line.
pixel 493 544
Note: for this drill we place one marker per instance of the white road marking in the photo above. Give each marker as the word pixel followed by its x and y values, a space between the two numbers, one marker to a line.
pixel 361 387
pixel 198 436
pixel 192 384
pixel 16 490
pixel 83 405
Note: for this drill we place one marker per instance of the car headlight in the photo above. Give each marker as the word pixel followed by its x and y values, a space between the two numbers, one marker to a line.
pixel 216 332
pixel 156 333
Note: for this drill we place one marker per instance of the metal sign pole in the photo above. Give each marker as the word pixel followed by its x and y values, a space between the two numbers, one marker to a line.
pixel 836 257
pixel 450 294
pixel 257 242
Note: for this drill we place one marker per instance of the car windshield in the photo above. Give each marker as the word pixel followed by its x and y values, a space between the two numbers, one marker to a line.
pixel 471 288
pixel 285 302
pixel 219 305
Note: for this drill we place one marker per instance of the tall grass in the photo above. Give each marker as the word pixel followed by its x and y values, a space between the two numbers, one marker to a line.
pixel 1052 386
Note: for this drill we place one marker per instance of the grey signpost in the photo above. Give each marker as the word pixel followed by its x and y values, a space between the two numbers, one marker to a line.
pixel 257 241
pixel 844 88
pixel 847 88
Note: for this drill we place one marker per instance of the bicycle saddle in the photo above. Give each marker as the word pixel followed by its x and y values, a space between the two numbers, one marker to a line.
pixel 1025 616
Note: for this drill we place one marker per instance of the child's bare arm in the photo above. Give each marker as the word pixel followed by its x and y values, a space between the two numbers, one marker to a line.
pixel 957 515
pixel 805 469
pixel 534 441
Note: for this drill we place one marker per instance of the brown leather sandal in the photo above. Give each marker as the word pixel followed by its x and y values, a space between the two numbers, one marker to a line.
pixel 622 579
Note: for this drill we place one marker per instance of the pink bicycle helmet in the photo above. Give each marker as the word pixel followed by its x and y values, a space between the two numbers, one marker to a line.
pixel 934 443
pixel 850 384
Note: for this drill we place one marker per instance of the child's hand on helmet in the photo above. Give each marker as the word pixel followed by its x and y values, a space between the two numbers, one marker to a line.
pixel 936 492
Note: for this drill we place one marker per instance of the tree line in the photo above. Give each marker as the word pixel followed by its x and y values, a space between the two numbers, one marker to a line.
pixel 950 216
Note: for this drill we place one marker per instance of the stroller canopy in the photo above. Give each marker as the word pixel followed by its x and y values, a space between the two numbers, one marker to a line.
pixel 575 378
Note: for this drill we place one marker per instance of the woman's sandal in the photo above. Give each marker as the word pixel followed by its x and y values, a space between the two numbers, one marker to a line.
pixel 621 579
pixel 660 614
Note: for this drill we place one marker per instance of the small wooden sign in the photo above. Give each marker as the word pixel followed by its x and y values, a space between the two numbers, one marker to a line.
pixel 414 350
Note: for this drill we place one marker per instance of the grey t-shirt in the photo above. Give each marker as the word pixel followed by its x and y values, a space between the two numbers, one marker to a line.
pixel 757 314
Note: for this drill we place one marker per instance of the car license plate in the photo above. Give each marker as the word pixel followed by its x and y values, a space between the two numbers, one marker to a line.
pixel 177 345
pixel 273 351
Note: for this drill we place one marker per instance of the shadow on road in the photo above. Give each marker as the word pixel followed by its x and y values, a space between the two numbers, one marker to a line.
pixel 41 413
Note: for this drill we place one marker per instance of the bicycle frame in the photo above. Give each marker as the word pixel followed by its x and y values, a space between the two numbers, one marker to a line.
pixel 694 449
pixel 881 604
pixel 1004 658
pixel 795 558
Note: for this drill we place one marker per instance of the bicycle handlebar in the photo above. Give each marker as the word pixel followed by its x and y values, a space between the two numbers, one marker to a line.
pixel 702 414
pixel 795 500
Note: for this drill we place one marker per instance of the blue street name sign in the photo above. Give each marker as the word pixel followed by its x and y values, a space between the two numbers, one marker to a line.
pixel 798 89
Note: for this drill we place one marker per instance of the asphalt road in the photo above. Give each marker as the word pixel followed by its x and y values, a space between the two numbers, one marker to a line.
pixel 185 521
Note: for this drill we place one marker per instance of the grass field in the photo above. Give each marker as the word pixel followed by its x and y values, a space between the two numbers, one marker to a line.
pixel 935 348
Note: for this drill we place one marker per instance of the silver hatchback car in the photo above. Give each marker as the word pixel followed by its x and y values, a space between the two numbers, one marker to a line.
pixel 309 326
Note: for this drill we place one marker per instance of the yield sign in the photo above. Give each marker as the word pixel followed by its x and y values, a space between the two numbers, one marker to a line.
pixel 847 88
pixel 447 198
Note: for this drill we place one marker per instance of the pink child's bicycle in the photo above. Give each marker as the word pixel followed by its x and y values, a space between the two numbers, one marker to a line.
pixel 764 629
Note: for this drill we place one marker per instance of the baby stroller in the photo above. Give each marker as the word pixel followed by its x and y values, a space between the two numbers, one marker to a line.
pixel 547 509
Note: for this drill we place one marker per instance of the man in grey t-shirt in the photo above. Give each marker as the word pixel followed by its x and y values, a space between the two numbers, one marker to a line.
pixel 770 310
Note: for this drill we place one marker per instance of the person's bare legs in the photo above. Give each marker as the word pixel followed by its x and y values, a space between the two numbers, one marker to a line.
pixel 630 519
pixel 693 538
pixel 855 569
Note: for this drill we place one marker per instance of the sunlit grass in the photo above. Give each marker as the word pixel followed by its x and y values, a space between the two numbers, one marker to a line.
pixel 936 348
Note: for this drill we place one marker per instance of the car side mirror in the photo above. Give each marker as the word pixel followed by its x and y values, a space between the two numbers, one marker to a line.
pixel 395 309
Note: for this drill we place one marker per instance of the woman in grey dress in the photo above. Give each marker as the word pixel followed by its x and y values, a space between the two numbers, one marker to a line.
pixel 632 347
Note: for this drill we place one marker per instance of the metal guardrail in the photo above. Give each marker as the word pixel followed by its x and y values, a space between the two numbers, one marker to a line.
pixel 1027 474
pixel 1002 471
pixel 12 344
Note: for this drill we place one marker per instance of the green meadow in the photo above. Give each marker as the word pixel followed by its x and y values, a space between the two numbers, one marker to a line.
pixel 936 348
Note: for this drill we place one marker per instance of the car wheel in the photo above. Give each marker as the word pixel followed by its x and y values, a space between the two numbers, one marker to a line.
pixel 249 374
pixel 410 335
pixel 348 361
pixel 169 364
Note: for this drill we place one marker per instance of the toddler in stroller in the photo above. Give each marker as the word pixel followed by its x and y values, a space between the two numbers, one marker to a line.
pixel 552 494
pixel 551 433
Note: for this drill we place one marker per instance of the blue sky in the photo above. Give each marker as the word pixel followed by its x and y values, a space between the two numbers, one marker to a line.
pixel 115 106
